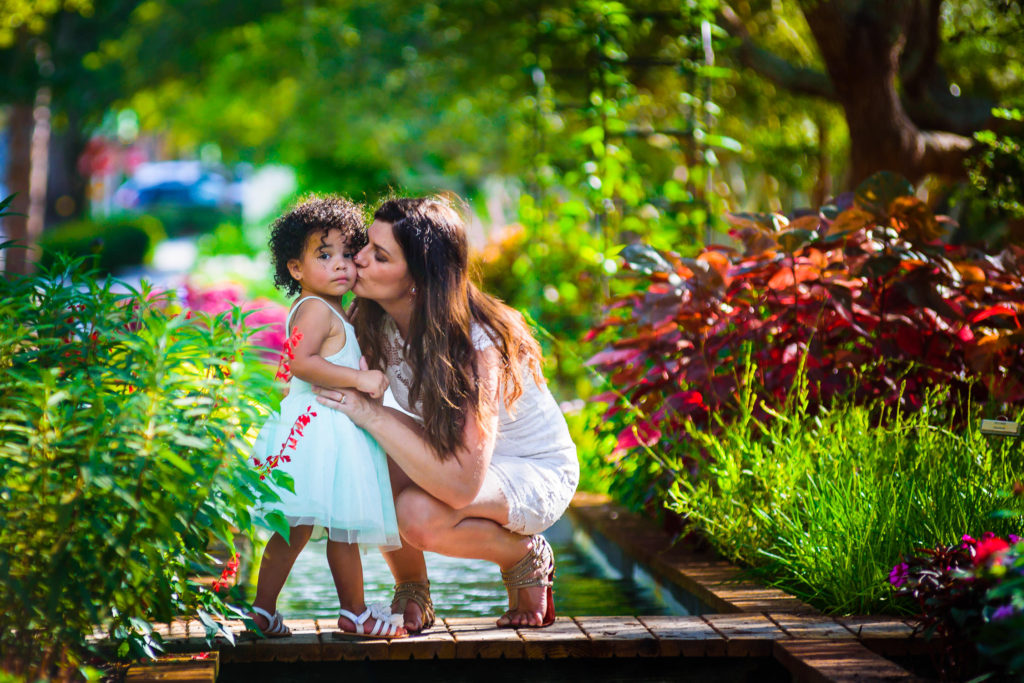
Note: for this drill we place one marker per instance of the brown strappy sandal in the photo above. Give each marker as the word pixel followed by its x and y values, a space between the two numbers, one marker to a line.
pixel 418 592
pixel 536 568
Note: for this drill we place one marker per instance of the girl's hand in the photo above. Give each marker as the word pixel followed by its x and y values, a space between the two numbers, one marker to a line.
pixel 355 404
pixel 371 382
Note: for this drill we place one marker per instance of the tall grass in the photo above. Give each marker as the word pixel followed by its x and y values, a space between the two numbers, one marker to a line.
pixel 824 505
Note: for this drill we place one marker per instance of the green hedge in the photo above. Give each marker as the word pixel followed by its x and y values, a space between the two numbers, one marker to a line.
pixel 112 244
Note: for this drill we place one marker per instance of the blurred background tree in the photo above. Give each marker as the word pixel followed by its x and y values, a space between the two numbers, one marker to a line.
pixel 656 116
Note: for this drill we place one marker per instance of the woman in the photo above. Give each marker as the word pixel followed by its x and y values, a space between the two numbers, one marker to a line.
pixel 488 462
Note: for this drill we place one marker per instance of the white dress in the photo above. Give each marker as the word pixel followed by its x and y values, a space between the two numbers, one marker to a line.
pixel 340 473
pixel 534 457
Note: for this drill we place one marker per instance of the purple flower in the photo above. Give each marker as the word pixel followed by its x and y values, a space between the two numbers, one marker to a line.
pixel 967 541
pixel 898 575
pixel 1004 612
pixel 1013 538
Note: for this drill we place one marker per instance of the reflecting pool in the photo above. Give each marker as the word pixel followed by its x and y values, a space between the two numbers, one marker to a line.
pixel 585 585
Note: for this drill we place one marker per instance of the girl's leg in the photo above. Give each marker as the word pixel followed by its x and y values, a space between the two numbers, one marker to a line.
pixel 347 570
pixel 406 563
pixel 278 558
pixel 474 532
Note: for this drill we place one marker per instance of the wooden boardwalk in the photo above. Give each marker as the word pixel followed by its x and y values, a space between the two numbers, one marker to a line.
pixel 748 621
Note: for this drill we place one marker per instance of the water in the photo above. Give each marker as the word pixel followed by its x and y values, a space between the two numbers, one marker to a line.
pixel 584 586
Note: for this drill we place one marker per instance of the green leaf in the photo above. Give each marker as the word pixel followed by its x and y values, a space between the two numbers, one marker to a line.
pixel 646 259
pixel 189 441
pixel 275 521
pixel 283 479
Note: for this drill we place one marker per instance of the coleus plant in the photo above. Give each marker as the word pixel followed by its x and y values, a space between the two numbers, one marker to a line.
pixel 860 300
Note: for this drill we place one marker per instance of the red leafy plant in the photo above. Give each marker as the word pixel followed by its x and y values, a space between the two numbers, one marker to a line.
pixel 970 599
pixel 858 301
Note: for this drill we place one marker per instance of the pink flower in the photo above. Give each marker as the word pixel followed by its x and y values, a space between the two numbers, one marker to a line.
pixel 899 574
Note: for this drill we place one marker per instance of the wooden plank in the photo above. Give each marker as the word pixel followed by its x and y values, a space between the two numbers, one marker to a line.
pixel 564 638
pixel 434 642
pixel 821 661
pixel 877 627
pixel 479 637
pixel 812 626
pixel 746 635
pixel 619 636
pixel 887 636
pixel 182 668
pixel 685 636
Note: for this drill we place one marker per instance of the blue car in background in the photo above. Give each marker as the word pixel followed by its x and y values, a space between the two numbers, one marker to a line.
pixel 188 196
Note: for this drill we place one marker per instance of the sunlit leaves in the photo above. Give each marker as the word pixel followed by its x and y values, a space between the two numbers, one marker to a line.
pixel 123 424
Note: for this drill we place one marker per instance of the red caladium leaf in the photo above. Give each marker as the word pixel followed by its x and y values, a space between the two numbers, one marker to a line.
pixel 637 434
pixel 863 301
pixel 991 311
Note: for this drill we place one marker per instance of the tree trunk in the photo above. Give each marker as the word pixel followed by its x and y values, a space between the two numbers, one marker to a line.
pixel 29 130
pixel 861 45
pixel 19 164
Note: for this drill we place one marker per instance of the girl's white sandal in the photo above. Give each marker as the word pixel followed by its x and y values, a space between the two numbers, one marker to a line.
pixel 384 628
pixel 275 624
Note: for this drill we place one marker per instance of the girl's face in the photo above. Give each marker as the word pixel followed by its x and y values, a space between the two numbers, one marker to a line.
pixel 326 268
pixel 383 274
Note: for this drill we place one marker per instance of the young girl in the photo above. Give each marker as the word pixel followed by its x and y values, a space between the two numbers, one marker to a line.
pixel 339 471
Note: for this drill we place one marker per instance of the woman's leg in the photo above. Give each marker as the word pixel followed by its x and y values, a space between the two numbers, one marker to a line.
pixel 347 571
pixel 406 563
pixel 278 558
pixel 475 532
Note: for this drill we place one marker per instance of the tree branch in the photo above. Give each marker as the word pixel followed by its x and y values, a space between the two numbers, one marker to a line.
pixel 781 72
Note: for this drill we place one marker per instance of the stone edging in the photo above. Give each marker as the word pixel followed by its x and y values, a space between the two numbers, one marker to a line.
pixel 816 647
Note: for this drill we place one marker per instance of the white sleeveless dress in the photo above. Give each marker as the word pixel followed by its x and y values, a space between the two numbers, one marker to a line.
pixel 340 473
pixel 534 458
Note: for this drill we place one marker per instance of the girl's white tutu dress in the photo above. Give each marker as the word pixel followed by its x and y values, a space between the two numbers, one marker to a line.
pixel 340 473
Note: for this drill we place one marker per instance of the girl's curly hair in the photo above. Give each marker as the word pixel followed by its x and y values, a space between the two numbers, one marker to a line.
pixel 313 214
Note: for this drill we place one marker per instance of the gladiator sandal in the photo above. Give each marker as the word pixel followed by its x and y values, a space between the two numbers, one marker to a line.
pixel 418 592
pixel 536 568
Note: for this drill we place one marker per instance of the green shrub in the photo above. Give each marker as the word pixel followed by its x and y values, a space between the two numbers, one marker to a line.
pixel 823 505
pixel 109 245
pixel 123 441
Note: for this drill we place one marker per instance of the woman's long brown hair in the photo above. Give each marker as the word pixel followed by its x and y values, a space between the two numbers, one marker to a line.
pixel 439 346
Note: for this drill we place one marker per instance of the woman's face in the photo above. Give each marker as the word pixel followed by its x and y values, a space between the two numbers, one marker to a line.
pixel 383 273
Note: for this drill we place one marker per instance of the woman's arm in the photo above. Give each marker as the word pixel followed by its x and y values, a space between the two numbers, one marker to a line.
pixel 310 366
pixel 455 481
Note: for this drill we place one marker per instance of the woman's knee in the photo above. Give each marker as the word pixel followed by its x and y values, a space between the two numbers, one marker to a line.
pixel 420 517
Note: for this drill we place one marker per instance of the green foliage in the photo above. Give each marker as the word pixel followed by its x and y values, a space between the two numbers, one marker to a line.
pixel 110 245
pixel 552 269
pixel 823 505
pixel 997 172
pixel 123 436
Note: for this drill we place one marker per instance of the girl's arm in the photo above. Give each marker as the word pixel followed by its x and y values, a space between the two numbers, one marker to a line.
pixel 455 481
pixel 315 322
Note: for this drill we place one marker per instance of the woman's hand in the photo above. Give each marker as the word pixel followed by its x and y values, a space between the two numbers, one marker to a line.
pixel 359 408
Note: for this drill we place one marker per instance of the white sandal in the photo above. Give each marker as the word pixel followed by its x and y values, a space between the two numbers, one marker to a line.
pixel 275 624
pixel 382 629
